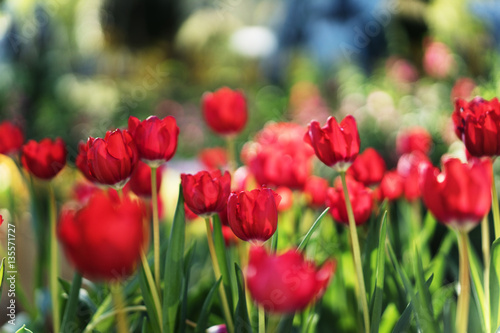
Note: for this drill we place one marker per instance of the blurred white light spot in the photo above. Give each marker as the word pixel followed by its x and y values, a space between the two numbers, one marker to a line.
pixel 5 177
pixel 253 42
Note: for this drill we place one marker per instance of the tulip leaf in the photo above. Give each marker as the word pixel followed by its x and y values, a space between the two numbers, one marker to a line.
pixel 311 230
pixel 146 293
pixel 424 306
pixel 286 323
pixel 378 291
pixel 174 267
pixel 438 263
pixel 241 320
pixel 23 329
pixel 2 274
pixel 495 283
pixel 404 321
pixel 220 251
pixel 476 272
pixel 188 260
pixel 202 323
pixel 72 304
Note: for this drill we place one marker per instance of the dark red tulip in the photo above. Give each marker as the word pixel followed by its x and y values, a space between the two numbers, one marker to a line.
pixel 140 181
pixel 225 111
pixel 315 191
pixel 213 158
pixel 459 196
pixel 335 145
pixel 278 156
pixel 361 200
pixel 104 238
pixel 82 161
pixel 391 186
pixel 44 159
pixel 408 168
pixel 286 283
pixel 156 139
pixel 368 168
pixel 112 160
pixel 11 138
pixel 413 139
pixel 253 215
pixel 206 192
pixel 477 124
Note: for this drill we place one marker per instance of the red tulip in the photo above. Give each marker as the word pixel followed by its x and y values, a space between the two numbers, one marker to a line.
pixel 156 139
pixel 104 238
pixel 140 181
pixel 477 124
pixel 11 138
pixel 189 213
pixel 225 111
pixel 334 144
pixel 315 190
pixel 82 191
pixel 44 159
pixel 286 201
pixel 460 196
pixel 253 215
pixel 412 139
pixel 391 186
pixel 438 60
pixel 408 168
pixel 462 89
pixel 206 192
pixel 361 200
pixel 286 283
pixel 82 161
pixel 112 160
pixel 368 168
pixel 214 158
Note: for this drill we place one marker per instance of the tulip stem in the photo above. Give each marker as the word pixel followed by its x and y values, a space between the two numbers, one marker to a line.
pixel 464 281
pixel 156 228
pixel 494 206
pixel 231 155
pixel 215 264
pixel 485 240
pixel 96 318
pixel 262 320
pixel 54 265
pixel 356 254
pixel 121 318
pixel 154 291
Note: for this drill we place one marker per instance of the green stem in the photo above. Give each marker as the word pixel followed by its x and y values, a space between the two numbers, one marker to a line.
pixel 356 254
pixel 231 155
pixel 110 314
pixel 96 318
pixel 54 264
pixel 156 228
pixel 494 206
pixel 121 318
pixel 464 280
pixel 154 291
pixel 485 240
pixel 215 264
pixel 72 301
pixel 262 320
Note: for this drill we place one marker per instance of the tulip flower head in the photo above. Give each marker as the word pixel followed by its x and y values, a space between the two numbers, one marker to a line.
pixel 391 186
pixel 459 196
pixel 315 191
pixel 225 111
pixel 82 161
pixel 214 158
pixel 336 145
pixel 368 168
pixel 156 139
pixel 11 138
pixel 140 181
pixel 44 159
pixel 408 168
pixel 206 193
pixel 413 139
pixel 286 283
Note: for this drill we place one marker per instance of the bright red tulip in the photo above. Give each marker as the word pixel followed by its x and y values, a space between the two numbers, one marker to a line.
pixel 112 160
pixel 368 168
pixel 206 192
pixel 391 186
pixel 408 168
pixel 253 215
pixel 156 139
pixel 225 110
pixel 44 159
pixel 11 138
pixel 104 238
pixel 361 200
pixel 459 196
pixel 335 145
pixel 140 181
pixel 286 283
pixel 214 158
pixel 82 161
pixel 315 190
pixel 412 139
pixel 477 124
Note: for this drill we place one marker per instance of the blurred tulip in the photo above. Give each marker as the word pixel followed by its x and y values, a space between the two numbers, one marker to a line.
pixel 462 89
pixel 286 283
pixel 335 145
pixel 286 198
pixel 156 139
pixel 368 168
pixel 361 200
pixel 214 158
pixel 11 138
pixel 140 181
pixel 413 139
pixel 44 159
pixel 225 111
pixel 253 215
pixel 230 239
pixel 104 238
pixel 408 168
pixel 459 196
pixel 83 191
pixel 438 60
pixel 206 192
pixel 401 70
pixel 391 186
pixel 477 124
pixel 112 160
pixel 315 191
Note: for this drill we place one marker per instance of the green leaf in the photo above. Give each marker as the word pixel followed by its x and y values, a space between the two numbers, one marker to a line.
pixel 378 291
pixel 404 321
pixel 188 260
pixel 241 320
pixel 174 267
pixel 220 251
pixel 286 323
pixel 476 271
pixel 440 260
pixel 311 230
pixel 146 293
pixel 23 329
pixel 2 274
pixel 424 307
pixel 495 284
pixel 72 304
pixel 202 323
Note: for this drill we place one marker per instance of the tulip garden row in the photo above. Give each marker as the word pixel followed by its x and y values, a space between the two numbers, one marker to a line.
pixel 272 259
